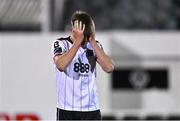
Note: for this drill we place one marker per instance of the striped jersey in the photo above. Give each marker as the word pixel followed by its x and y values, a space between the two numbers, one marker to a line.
pixel 76 86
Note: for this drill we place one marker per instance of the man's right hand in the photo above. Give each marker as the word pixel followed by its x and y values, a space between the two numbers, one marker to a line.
pixel 78 32
pixel 62 61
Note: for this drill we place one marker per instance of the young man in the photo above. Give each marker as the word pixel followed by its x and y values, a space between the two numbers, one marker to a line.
pixel 75 60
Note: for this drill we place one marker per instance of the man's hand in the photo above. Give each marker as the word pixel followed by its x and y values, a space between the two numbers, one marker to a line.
pixel 62 61
pixel 104 60
pixel 77 32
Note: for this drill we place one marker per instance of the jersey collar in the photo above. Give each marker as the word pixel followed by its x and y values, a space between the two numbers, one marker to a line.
pixel 69 39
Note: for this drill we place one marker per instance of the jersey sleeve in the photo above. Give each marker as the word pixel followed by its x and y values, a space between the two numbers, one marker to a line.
pixel 58 47
pixel 99 44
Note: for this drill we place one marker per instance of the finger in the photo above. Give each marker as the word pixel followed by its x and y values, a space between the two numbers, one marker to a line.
pixel 72 25
pixel 80 25
pixel 75 25
pixel 83 28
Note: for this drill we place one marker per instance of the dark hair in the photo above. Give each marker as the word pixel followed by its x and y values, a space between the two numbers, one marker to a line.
pixel 86 19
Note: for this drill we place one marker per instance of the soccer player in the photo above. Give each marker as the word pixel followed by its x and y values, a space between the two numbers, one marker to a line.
pixel 75 60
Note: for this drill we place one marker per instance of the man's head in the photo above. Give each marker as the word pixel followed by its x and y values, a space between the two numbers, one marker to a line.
pixel 86 19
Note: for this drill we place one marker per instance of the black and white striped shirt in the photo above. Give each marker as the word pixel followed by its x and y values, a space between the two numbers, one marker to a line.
pixel 76 86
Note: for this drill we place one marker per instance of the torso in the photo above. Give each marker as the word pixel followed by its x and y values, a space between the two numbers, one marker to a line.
pixel 76 86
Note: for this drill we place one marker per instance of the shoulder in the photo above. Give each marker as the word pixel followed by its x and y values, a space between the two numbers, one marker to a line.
pixel 64 39
pixel 61 39
pixel 99 44
pixel 97 41
pixel 59 45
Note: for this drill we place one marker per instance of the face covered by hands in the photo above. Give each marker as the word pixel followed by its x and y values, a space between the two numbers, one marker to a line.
pixel 78 31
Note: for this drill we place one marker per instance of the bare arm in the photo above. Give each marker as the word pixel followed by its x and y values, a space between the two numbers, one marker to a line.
pixel 103 60
pixel 62 61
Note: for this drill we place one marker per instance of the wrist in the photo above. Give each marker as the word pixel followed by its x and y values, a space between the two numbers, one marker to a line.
pixel 76 41
pixel 76 44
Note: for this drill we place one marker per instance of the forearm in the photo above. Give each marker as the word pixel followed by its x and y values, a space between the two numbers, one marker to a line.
pixel 102 58
pixel 62 61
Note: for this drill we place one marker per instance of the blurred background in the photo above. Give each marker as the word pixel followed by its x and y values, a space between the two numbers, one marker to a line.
pixel 141 36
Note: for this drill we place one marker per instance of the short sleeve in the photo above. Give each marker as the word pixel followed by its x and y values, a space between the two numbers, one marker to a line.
pixel 58 47
pixel 99 44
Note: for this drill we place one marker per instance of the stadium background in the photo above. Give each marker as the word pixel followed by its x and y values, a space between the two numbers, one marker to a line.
pixel 141 36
